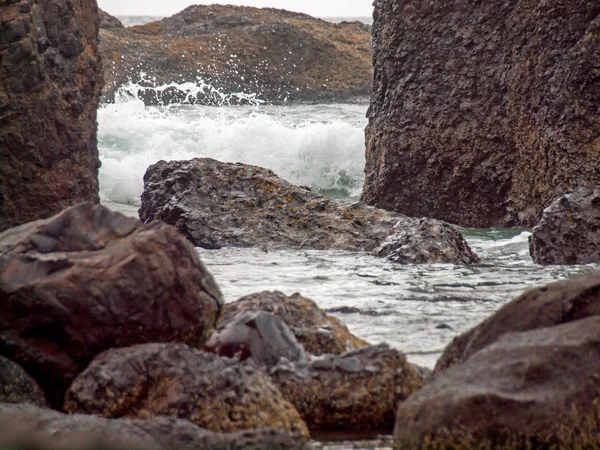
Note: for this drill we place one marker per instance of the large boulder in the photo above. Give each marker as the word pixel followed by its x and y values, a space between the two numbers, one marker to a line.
pixel 34 428
pixel 482 112
pixel 357 392
pixel 50 82
pixel 569 230
pixel 175 380
pixel 258 338
pixel 534 389
pixel 89 279
pixel 218 204
pixel 557 303
pixel 16 386
pixel 274 54
pixel 316 330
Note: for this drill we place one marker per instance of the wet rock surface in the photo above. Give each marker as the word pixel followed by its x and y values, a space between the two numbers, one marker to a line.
pixel 24 426
pixel 569 229
pixel 217 204
pixel 175 380
pixel 257 337
pixel 16 386
pixel 273 53
pixel 421 241
pixel 482 112
pixel 89 279
pixel 357 391
pixel 557 303
pixel 317 331
pixel 538 387
pixel 50 85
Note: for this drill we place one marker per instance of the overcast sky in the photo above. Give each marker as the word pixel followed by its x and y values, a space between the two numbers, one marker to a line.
pixel 320 8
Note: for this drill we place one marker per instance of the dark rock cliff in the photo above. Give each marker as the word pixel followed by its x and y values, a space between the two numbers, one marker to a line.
pixel 50 82
pixel 274 53
pixel 483 112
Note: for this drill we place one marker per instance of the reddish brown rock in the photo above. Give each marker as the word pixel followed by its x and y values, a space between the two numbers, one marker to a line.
pixel 90 279
pixel 273 53
pixel 355 392
pixel 50 82
pixel 482 113
pixel 316 330
pixel 175 380
pixel 569 229
pixel 554 304
pixel 24 426
pixel 535 389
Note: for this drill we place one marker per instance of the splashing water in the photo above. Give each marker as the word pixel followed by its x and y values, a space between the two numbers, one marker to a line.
pixel 321 146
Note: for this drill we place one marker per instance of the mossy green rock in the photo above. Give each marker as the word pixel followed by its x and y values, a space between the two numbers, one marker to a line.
pixel 16 386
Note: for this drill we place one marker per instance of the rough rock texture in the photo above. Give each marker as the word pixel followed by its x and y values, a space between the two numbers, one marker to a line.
pixel 175 380
pixel 29 427
pixel 219 204
pixel 273 53
pixel 554 304
pixel 317 331
pixel 16 386
pixel 50 82
pixel 257 337
pixel 357 391
pixel 89 279
pixel 569 230
pixel 539 387
pixel 482 112
pixel 426 241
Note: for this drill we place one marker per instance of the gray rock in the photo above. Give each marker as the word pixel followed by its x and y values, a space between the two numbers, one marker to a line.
pixel 16 386
pixel 569 229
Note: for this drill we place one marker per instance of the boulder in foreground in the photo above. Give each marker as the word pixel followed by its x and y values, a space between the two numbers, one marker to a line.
pixel 89 279
pixel 569 229
pixel 316 330
pixel 535 389
pixel 24 426
pixel 358 391
pixel 213 392
pixel 557 303
pixel 216 204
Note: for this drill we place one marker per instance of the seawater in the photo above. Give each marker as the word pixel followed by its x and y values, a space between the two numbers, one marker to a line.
pixel 415 308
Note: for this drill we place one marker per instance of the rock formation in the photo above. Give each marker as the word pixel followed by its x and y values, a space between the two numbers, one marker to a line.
pixel 273 53
pixel 258 338
pixel 16 386
pixel 50 82
pixel 569 230
pixel 218 204
pixel 557 303
pixel 482 112
pixel 89 279
pixel 317 331
pixel 175 380
pixel 354 392
pixel 24 426
pixel 535 389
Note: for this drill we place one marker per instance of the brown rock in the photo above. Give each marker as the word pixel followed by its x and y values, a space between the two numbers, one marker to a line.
pixel 273 53
pixel 16 386
pixel 88 280
pixel 358 391
pixel 218 204
pixel 50 82
pixel 317 331
pixel 557 303
pixel 257 337
pixel 482 112
pixel 33 428
pixel 569 229
pixel 535 389
pixel 175 380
